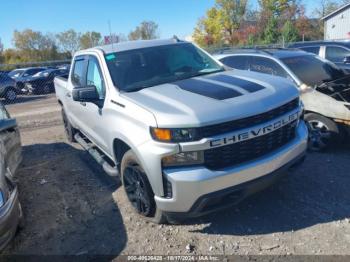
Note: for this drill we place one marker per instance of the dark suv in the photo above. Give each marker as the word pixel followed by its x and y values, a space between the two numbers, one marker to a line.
pixel 337 52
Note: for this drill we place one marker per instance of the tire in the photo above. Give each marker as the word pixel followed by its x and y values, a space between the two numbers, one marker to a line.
pixel 10 94
pixel 69 129
pixel 138 189
pixel 323 132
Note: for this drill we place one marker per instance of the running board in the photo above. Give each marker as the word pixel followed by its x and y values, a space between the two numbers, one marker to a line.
pixel 90 148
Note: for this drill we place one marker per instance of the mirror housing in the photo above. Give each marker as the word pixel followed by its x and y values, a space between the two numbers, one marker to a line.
pixel 85 94
pixel 346 60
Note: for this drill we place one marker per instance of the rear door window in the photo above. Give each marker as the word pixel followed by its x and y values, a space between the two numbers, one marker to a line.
pixel 78 72
pixel 237 62
pixel 267 66
pixel 336 53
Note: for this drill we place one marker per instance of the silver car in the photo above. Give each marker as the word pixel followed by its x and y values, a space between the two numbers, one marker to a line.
pixel 324 88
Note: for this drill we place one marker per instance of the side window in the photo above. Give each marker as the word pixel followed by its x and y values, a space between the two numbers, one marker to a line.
pixel 336 53
pixel 311 49
pixel 238 62
pixel 267 66
pixel 94 77
pixel 78 73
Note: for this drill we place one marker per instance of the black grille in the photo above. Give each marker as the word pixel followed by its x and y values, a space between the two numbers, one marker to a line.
pixel 226 127
pixel 238 153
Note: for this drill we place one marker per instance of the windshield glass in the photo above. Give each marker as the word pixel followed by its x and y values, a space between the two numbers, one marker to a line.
pixel 312 70
pixel 15 73
pixel 141 68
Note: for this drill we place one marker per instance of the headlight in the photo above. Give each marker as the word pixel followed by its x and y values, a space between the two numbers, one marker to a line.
pixel 347 106
pixel 184 159
pixel 174 135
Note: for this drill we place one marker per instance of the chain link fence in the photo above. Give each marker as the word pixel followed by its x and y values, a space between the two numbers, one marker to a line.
pixel 21 81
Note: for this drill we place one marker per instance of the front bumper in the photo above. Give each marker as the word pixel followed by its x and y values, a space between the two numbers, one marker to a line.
pixel 10 215
pixel 191 184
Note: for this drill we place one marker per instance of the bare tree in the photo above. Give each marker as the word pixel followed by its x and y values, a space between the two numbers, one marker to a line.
pixel 146 30
pixel 69 41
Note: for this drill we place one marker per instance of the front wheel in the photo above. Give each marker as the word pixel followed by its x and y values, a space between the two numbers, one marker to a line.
pixel 138 189
pixel 323 132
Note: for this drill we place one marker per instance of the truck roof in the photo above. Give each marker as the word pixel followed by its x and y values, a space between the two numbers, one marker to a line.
pixel 130 45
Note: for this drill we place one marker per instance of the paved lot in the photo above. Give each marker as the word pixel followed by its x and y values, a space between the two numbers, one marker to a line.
pixel 72 207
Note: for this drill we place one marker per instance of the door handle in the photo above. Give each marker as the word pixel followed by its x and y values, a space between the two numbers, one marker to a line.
pixel 68 94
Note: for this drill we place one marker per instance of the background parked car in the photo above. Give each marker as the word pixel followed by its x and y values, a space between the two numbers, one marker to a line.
pixel 21 75
pixel 337 52
pixel 325 88
pixel 42 82
pixel 10 158
pixel 7 87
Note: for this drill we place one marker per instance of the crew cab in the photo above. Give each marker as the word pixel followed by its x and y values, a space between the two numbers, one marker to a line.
pixel 186 136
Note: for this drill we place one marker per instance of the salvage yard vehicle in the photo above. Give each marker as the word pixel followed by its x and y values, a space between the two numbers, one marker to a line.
pixel 22 74
pixel 325 88
pixel 10 158
pixel 186 136
pixel 336 51
pixel 42 82
pixel 7 87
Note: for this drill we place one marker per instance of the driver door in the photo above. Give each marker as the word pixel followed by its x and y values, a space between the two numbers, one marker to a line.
pixel 92 114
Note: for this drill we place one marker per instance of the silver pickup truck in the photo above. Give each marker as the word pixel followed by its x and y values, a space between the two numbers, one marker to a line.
pixel 186 136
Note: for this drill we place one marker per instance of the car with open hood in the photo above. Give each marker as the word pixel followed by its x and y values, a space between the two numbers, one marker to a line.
pixel 325 88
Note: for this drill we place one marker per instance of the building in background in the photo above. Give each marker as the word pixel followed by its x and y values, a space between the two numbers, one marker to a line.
pixel 337 24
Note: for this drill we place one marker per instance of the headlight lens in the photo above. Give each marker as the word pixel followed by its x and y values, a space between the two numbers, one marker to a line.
pixel 184 159
pixel 175 135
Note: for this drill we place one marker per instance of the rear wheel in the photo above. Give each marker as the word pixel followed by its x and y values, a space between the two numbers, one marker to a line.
pixel 323 132
pixel 10 94
pixel 138 189
pixel 69 129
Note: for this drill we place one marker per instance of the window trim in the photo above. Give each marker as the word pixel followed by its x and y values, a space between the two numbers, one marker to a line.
pixel 77 59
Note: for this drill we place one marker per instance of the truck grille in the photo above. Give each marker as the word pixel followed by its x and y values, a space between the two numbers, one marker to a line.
pixel 214 130
pixel 238 153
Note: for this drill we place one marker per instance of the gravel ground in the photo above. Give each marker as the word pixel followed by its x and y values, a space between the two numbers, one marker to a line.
pixel 72 207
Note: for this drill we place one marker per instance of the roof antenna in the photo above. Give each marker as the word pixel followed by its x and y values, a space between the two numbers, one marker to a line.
pixel 110 33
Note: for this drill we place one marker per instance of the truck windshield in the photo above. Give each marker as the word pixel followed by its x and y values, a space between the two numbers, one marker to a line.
pixel 312 70
pixel 136 69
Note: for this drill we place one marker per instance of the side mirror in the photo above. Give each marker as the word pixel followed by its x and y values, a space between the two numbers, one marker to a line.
pixel 85 94
pixel 346 60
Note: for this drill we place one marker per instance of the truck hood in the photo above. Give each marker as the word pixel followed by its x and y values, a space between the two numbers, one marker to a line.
pixel 214 98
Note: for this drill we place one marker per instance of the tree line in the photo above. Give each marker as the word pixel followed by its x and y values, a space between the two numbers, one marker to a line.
pixel 233 22
pixel 30 46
